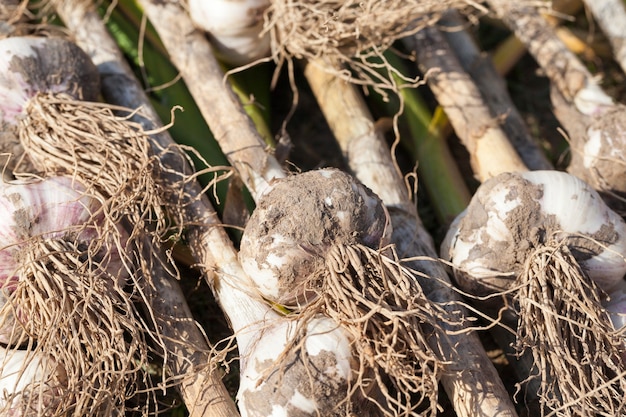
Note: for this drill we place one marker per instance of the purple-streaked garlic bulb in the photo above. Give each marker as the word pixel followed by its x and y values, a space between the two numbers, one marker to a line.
pixel 235 28
pixel 55 208
pixel 31 65
pixel 35 65
pixel 298 221
pixel 512 214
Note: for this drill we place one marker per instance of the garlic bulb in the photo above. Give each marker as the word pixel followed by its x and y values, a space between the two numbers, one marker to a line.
pixel 55 208
pixel 31 65
pixel 236 28
pixel 513 213
pixel 298 221
pixel 311 380
pixel 600 161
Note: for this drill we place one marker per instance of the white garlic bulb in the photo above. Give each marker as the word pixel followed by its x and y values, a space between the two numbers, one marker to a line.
pixel 26 382
pixel 616 305
pixel 311 380
pixel 600 161
pixel 236 28
pixel 513 213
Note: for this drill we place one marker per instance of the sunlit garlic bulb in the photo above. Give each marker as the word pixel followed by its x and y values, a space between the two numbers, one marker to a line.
pixel 298 221
pixel 31 65
pixel 27 383
pixel 311 380
pixel 512 214
pixel 235 26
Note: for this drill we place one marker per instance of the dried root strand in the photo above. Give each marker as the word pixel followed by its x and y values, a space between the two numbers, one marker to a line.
pixel 383 309
pixel 78 316
pixel 350 32
pixel 577 354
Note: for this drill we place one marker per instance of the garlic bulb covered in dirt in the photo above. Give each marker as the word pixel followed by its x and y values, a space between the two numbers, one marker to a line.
pixel 235 26
pixel 601 160
pixel 316 376
pixel 549 242
pixel 32 65
pixel 298 221
pixel 512 214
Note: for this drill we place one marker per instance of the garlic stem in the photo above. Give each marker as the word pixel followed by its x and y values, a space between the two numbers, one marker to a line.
pixel 480 67
pixel 371 161
pixel 564 69
pixel 191 52
pixel 463 102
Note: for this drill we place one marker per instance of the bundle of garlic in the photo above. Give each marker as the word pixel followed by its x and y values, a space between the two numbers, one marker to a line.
pixel 546 240
pixel 316 244
pixel 96 323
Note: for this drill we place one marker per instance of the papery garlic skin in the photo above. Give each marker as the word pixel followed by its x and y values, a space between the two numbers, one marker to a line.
pixel 272 385
pixel 236 28
pixel 31 65
pixel 297 222
pixel 513 213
